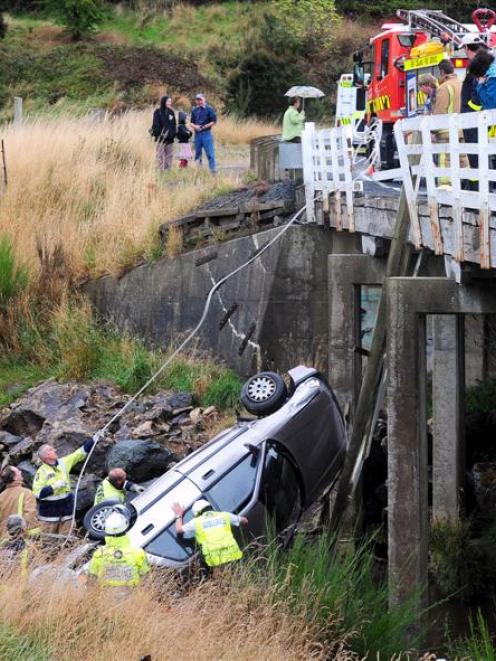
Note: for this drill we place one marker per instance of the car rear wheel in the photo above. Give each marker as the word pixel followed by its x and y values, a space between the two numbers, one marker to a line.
pixel 94 519
pixel 264 393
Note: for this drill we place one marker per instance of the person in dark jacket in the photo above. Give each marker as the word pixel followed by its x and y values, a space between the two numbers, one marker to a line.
pixel 483 67
pixel 164 132
pixel 470 99
pixel 183 137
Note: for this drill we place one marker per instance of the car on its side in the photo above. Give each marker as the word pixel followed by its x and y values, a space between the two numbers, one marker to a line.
pixel 271 467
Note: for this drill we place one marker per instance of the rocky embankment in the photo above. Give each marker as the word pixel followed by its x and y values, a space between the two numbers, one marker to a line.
pixel 153 433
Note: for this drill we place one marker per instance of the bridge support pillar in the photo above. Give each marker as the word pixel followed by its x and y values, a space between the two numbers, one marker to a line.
pixel 409 300
pixel 448 387
pixel 346 274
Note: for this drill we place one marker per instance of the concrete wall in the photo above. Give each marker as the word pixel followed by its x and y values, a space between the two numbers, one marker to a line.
pixel 281 298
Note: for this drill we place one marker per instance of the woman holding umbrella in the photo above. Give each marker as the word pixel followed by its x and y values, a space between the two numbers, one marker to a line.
pixel 293 121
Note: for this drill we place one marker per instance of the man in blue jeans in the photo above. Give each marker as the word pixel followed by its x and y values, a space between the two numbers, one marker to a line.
pixel 203 117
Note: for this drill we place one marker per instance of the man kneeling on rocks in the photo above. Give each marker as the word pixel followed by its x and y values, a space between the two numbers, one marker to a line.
pixel 115 485
pixel 52 487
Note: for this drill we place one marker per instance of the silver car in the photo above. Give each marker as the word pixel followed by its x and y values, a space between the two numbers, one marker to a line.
pixel 269 468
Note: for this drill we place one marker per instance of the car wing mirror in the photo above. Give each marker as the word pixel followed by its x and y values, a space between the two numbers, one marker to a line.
pixel 253 449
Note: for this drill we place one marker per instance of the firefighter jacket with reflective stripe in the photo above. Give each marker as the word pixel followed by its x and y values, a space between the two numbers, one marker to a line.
pixel 52 488
pixel 470 99
pixel 214 535
pixel 106 491
pixel 118 563
pixel 16 499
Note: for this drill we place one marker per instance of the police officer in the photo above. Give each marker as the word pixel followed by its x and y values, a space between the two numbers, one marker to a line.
pixel 52 487
pixel 114 486
pixel 119 563
pixel 212 531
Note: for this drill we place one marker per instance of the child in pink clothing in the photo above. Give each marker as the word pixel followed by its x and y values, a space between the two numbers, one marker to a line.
pixel 183 137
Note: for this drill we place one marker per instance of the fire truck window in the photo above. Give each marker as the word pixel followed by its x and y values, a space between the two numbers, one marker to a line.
pixel 384 57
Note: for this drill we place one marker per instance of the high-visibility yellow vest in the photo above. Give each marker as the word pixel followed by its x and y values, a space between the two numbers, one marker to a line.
pixel 118 563
pixel 47 475
pixel 106 490
pixel 214 535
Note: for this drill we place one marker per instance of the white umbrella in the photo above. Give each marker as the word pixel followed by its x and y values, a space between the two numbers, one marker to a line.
pixel 305 92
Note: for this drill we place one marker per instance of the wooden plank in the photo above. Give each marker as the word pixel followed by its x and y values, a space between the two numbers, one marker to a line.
pixel 308 170
pixel 347 150
pixel 454 144
pixel 484 233
pixel 408 184
pixel 430 186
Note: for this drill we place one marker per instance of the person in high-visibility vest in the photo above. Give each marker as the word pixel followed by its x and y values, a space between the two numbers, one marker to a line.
pixel 14 550
pixel 52 487
pixel 16 499
pixel 114 487
pixel 212 531
pixel 118 564
pixel 448 101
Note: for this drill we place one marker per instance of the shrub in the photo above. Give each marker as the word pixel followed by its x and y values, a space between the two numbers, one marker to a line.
pixel 223 392
pixel 80 17
pixel 258 85
pixel 481 398
pixel 13 277
pixel 479 646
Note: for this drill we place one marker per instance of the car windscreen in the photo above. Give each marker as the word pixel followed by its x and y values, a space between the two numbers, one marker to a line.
pixel 234 489
pixel 167 545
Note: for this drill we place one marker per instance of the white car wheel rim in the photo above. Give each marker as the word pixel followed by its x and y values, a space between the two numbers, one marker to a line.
pixel 99 518
pixel 261 389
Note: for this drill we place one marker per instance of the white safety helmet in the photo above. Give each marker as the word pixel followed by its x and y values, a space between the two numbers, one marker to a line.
pixel 116 524
pixel 199 506
pixel 471 38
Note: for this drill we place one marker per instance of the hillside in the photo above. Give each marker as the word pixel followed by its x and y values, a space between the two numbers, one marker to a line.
pixel 235 51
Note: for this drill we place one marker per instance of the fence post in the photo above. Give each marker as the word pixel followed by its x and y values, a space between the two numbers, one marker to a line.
pixel 17 110
pixel 307 140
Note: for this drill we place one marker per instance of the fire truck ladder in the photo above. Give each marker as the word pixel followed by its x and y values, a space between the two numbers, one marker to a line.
pixel 434 22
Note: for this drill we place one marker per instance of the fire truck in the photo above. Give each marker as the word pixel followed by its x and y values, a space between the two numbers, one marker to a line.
pixel 383 85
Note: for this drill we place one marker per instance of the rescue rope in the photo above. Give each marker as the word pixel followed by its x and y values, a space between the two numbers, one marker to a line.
pixel 101 432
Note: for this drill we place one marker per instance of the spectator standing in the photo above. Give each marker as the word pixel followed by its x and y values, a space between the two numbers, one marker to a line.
pixel 203 118
pixel 183 137
pixel 164 132
pixel 483 67
pixel 293 121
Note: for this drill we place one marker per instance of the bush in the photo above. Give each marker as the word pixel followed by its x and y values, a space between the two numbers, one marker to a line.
pixel 479 646
pixel 80 17
pixel 258 85
pixel 13 277
pixel 481 398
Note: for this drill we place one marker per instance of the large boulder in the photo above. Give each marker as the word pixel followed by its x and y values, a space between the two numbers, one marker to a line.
pixel 142 460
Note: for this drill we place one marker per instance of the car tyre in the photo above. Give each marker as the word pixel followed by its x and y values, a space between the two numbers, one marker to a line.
pixel 94 519
pixel 264 393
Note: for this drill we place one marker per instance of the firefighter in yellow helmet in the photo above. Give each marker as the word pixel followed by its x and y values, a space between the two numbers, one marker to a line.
pixel 212 531
pixel 119 563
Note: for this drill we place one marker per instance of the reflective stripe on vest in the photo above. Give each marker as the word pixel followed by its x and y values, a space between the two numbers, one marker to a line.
pixel 213 533
pixel 474 106
pixel 451 103
pixel 20 505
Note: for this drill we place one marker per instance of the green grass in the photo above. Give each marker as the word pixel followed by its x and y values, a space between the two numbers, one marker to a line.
pixel 16 378
pixel 479 646
pixel 13 277
pixel 16 647
pixel 342 593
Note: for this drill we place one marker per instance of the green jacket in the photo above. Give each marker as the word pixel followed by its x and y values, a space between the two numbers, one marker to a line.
pixel 118 563
pixel 292 123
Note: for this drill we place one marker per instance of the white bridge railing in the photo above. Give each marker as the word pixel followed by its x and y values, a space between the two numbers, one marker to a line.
pixel 433 158
pixel 327 167
pixel 432 148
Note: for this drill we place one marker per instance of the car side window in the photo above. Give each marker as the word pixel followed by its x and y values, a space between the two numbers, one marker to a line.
pixel 280 488
pixel 167 544
pixel 235 488
pixel 384 57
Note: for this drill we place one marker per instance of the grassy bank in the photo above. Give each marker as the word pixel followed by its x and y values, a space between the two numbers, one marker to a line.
pixel 307 603
pixel 91 192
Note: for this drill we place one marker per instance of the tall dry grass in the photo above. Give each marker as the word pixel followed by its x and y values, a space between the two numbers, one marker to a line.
pixel 225 618
pixel 93 188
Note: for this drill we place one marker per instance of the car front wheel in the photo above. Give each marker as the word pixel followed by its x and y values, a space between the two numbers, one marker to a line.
pixel 94 519
pixel 264 393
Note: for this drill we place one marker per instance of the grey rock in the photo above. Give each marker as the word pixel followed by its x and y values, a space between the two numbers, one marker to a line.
pixel 9 439
pixel 28 472
pixel 142 460
pixel 22 449
pixel 180 400
pixel 86 493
